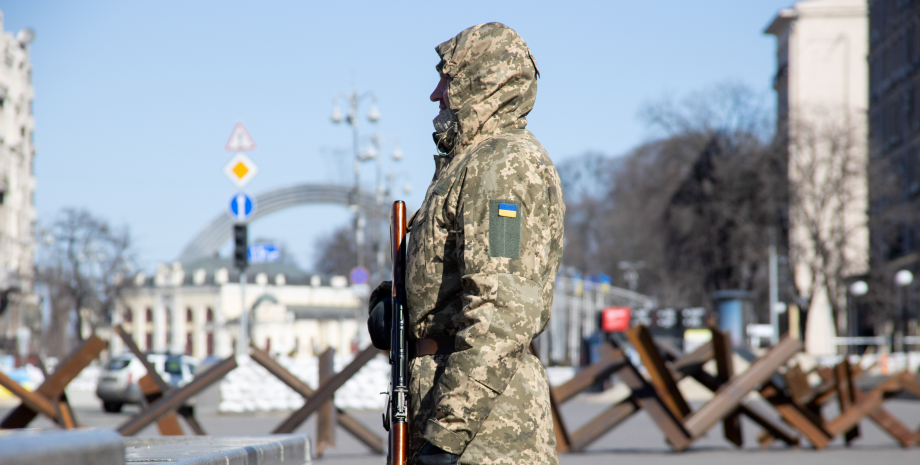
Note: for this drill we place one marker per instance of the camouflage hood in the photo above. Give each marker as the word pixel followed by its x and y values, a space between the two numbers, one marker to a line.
pixel 493 81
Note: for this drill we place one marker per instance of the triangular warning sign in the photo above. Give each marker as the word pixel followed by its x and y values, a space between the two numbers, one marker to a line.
pixel 240 139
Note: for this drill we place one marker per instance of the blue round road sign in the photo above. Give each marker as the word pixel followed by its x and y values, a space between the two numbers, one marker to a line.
pixel 359 275
pixel 241 206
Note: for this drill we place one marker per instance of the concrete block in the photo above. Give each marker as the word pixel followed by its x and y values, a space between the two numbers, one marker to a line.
pixel 289 449
pixel 76 447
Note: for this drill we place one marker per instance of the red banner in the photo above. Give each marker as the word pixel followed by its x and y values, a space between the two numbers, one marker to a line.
pixel 615 319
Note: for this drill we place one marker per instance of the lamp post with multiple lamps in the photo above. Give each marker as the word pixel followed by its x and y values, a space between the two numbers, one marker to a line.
pixel 371 152
pixel 631 273
pixel 380 194
pixel 354 100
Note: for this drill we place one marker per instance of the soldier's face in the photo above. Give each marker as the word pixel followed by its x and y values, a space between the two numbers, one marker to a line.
pixel 440 92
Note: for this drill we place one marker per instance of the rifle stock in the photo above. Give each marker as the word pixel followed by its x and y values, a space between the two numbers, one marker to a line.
pixel 398 408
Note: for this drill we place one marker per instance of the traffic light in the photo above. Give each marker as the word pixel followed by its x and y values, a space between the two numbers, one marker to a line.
pixel 240 243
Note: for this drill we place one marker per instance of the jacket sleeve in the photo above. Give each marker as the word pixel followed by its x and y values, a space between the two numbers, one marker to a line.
pixel 501 260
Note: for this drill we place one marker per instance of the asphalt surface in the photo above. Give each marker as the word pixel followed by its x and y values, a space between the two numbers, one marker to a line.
pixel 635 441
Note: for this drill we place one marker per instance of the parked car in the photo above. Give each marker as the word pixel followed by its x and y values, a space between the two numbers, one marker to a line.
pixel 118 381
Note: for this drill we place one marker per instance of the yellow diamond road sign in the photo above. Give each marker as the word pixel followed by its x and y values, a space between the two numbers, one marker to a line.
pixel 240 170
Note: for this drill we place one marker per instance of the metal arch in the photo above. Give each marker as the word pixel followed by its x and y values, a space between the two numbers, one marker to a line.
pixel 209 240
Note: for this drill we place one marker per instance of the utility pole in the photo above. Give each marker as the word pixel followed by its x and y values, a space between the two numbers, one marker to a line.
pixel 240 170
pixel 902 279
pixel 774 289
pixel 241 262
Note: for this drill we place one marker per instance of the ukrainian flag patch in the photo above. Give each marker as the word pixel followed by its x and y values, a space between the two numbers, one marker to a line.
pixel 505 228
pixel 507 210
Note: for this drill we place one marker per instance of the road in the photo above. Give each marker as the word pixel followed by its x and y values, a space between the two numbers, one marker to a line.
pixel 635 441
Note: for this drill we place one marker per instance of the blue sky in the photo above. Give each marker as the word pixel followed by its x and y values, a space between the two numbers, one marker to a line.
pixel 134 101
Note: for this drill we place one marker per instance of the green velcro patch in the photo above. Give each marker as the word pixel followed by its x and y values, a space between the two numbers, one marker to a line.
pixel 440 188
pixel 505 229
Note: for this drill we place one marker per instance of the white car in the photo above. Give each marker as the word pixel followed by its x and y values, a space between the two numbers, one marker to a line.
pixel 118 381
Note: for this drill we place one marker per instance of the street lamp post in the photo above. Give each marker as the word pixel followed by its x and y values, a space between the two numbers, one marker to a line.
pixel 354 99
pixel 902 279
pixel 857 289
pixel 631 273
pixel 380 193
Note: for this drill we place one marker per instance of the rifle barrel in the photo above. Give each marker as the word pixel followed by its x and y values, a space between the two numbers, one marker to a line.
pixel 399 353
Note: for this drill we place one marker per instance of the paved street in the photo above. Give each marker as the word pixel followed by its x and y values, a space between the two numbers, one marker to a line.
pixel 635 441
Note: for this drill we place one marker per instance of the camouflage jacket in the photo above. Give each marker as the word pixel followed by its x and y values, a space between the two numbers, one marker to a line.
pixel 486 244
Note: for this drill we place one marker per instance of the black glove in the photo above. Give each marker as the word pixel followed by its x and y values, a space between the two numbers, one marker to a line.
pixel 434 455
pixel 380 320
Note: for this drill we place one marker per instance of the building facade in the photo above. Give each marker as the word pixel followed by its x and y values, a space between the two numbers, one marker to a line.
pixel 821 85
pixel 195 309
pixel 894 126
pixel 17 184
pixel 894 136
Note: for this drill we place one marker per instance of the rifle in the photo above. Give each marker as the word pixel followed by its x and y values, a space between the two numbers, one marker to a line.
pixel 395 419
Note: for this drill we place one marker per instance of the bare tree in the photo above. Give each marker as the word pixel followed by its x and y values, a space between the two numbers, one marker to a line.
pixel 718 223
pixel 730 108
pixel 695 204
pixel 336 253
pixel 81 262
pixel 828 207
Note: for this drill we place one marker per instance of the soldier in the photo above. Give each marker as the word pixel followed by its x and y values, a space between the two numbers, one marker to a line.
pixel 482 257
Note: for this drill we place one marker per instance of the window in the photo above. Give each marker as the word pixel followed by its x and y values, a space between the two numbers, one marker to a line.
pixel 149 341
pixel 117 364
pixel 174 366
pixel 188 344
pixel 149 315
pixel 210 344
pixel 210 315
pixel 188 315
pixel 129 315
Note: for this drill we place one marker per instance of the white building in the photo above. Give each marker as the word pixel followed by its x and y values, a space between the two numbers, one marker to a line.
pixel 821 85
pixel 17 180
pixel 195 310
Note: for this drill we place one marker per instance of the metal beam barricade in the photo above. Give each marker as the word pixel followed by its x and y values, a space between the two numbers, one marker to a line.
pixel 52 390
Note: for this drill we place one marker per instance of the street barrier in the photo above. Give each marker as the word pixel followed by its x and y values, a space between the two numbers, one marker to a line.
pixel 153 387
pixel 106 447
pixel 726 405
pixel 347 422
pixel 176 397
pixel 653 388
pixel 49 399
pixel 660 397
pixel 800 404
pixel 162 403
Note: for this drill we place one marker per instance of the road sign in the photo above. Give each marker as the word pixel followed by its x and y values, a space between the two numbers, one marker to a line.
pixel 264 253
pixel 615 319
pixel 240 170
pixel 241 206
pixel 240 139
pixel 359 275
